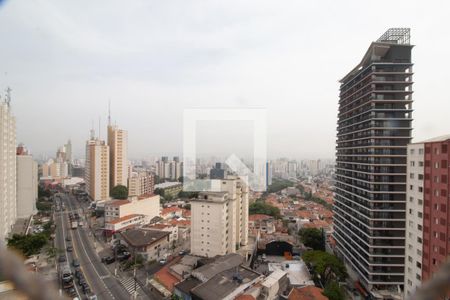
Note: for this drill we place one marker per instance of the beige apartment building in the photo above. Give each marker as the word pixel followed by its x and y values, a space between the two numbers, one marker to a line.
pixel 27 185
pixel 118 148
pixel 147 205
pixel 219 220
pixel 97 169
pixel 8 208
pixel 140 183
pixel 414 218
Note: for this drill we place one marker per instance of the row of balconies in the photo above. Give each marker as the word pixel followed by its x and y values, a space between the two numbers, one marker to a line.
pixel 346 197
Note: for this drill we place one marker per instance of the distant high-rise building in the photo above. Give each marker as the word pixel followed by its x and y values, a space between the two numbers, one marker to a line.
pixel 217 172
pixel 374 129
pixel 220 219
pixel 141 183
pixel 292 168
pixel 8 209
pixel 269 173
pixel 96 173
pixel 27 183
pixel 427 211
pixel 68 148
pixel 166 169
pixel 118 143
pixel 55 169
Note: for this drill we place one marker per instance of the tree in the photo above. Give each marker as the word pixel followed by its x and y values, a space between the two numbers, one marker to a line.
pixel 119 192
pixel 326 265
pixel 27 244
pixel 264 208
pixel 333 291
pixel 312 238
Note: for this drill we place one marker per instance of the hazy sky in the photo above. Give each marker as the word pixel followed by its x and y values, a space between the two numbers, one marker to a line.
pixel 153 59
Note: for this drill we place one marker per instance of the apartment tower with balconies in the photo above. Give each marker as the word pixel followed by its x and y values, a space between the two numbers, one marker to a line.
pixel 374 129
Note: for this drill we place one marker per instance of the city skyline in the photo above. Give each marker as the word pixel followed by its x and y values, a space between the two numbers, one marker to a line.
pixel 158 65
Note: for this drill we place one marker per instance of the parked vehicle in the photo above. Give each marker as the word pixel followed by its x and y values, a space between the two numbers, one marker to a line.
pixel 68 238
pixel 108 260
pixel 162 261
pixel 75 262
pixel 123 256
pixel 74 225
pixel 62 258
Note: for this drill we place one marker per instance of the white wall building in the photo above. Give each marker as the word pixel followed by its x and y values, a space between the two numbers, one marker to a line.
pixel 8 208
pixel 27 185
pixel 220 220
pixel 414 218
pixel 145 205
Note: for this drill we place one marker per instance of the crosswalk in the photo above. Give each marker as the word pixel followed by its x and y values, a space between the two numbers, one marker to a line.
pixel 128 284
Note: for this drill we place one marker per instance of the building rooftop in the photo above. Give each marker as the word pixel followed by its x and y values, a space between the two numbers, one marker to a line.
pixel 143 237
pixel 441 138
pixel 220 264
pixel 125 218
pixel 296 270
pixel 166 185
pixel 225 283
pixel 307 293
pixel 217 197
pixel 188 284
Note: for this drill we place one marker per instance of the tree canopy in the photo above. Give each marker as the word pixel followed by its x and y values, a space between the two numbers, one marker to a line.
pixel 119 192
pixel 28 244
pixel 326 265
pixel 312 238
pixel 333 291
pixel 260 207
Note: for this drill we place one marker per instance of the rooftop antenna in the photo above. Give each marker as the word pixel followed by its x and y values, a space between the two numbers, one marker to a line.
pixel 109 112
pixel 8 96
pixel 99 127
pixel 92 131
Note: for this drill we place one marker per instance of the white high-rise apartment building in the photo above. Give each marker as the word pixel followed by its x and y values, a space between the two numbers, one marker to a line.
pixel 8 208
pixel 27 185
pixel 118 153
pixel 414 218
pixel 97 169
pixel 219 220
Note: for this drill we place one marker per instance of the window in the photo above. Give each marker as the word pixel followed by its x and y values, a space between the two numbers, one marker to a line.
pixel 436 165
pixel 421 151
pixel 418 277
pixel 420 163
pixel 411 151
pixel 412 163
pixel 419 265
pixel 419 227
pixel 420 176
pixel 420 189
pixel 411 175
pixel 419 214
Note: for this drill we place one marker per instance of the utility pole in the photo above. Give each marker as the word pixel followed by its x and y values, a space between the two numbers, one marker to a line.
pixel 135 287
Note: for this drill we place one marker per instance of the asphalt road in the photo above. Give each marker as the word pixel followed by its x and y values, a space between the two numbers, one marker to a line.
pixel 101 281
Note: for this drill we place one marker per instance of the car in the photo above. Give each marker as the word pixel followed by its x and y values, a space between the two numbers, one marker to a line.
pixel 68 238
pixel 123 256
pixel 86 289
pixel 162 261
pixel 69 248
pixel 108 260
pixel 78 274
pixel 75 262
pixel 182 252
pixel 81 281
pixel 72 292
pixel 92 297
pixel 62 258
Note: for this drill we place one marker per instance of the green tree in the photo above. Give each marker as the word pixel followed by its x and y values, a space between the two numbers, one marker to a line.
pixel 260 207
pixel 119 192
pixel 312 238
pixel 333 291
pixel 27 244
pixel 43 206
pixel 326 265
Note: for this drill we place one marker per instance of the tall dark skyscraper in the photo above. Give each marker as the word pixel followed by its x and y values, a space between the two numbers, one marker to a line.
pixel 374 128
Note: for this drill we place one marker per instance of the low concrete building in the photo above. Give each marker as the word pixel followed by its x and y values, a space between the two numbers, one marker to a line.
pixel 171 229
pixel 27 185
pixel 147 205
pixel 151 244
pixel 124 223
pixel 169 189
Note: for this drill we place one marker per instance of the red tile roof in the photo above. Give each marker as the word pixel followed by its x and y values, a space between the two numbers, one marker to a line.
pixel 259 217
pixel 169 210
pixel 164 277
pixel 307 293
pixel 245 297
